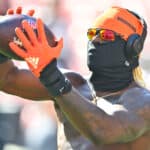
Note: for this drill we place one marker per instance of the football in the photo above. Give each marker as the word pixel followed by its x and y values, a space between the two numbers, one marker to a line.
pixel 8 23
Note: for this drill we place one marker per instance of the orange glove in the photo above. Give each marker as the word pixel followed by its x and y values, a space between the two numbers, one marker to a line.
pixel 19 11
pixel 38 53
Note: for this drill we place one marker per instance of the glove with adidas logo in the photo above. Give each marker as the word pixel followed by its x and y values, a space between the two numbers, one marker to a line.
pixel 41 57
pixel 37 51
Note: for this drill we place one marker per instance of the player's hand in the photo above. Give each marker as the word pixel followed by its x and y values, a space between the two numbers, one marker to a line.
pixel 38 53
pixel 19 11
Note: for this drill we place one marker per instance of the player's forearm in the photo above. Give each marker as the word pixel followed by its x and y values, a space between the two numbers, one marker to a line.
pixel 28 93
pixel 88 119
pixel 24 84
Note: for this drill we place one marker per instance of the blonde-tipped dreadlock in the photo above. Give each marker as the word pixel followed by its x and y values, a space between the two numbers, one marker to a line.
pixel 137 75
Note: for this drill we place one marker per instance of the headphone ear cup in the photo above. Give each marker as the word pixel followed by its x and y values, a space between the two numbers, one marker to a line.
pixel 134 46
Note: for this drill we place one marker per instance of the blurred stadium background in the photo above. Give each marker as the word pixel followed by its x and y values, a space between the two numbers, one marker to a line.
pixel 30 125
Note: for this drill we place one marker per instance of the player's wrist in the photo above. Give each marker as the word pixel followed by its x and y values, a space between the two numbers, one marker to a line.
pixel 53 79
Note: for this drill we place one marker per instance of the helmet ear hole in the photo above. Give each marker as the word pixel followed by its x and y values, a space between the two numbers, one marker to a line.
pixel 134 46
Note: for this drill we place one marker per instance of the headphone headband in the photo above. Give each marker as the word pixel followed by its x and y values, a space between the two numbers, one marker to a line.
pixel 135 42
pixel 144 32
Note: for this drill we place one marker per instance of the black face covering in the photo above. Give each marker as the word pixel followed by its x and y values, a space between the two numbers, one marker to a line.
pixel 111 71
